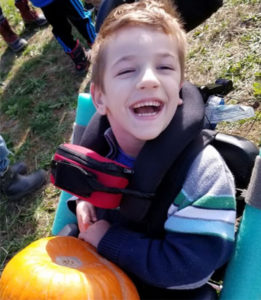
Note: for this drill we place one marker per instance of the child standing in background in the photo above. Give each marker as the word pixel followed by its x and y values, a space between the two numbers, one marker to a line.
pixel 59 14
pixel 30 17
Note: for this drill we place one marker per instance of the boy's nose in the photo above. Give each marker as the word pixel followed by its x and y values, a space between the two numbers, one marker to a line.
pixel 148 79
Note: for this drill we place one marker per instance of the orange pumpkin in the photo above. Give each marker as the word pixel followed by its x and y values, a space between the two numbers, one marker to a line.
pixel 63 268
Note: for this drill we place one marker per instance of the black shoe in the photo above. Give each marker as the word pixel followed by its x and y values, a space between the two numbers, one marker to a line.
pixel 19 168
pixel 12 39
pixel 80 57
pixel 18 45
pixel 16 186
pixel 29 14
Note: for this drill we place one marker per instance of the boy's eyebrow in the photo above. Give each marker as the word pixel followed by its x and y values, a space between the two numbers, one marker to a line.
pixel 167 55
pixel 130 57
pixel 123 58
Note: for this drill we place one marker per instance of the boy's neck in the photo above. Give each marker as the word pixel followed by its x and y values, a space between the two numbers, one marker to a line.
pixel 130 147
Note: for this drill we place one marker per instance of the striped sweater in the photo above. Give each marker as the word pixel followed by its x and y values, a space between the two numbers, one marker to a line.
pixel 199 230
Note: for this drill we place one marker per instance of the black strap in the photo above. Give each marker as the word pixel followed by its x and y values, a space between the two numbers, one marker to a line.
pixel 173 183
pixel 80 182
pixel 158 155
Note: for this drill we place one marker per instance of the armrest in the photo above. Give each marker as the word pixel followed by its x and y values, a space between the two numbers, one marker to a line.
pixel 239 154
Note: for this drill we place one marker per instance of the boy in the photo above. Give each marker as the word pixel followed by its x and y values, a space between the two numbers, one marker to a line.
pixel 174 244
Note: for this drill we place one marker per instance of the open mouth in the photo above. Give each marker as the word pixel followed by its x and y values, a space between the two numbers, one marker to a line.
pixel 147 109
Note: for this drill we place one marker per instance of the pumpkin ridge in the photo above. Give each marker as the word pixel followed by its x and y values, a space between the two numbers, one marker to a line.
pixel 114 270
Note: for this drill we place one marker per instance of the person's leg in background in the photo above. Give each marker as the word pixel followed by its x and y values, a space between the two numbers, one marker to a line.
pixel 81 19
pixel 55 14
pixel 10 37
pixel 14 184
pixel 105 7
pixel 192 12
pixel 29 14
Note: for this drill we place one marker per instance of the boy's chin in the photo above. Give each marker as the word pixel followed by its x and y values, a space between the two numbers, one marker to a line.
pixel 148 136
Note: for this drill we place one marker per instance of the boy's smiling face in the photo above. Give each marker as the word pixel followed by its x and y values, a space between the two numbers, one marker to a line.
pixel 142 79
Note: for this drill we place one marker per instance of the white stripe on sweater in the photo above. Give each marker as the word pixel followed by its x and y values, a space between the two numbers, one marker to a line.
pixel 191 212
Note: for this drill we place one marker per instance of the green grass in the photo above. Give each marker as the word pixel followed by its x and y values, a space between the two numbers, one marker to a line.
pixel 228 46
pixel 38 97
pixel 39 90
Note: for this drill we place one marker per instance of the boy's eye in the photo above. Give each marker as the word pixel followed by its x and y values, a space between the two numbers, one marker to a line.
pixel 126 71
pixel 166 67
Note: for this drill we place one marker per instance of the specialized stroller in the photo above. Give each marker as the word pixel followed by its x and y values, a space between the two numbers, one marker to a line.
pixel 240 155
pixel 242 277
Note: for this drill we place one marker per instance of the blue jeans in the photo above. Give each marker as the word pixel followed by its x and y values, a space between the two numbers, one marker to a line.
pixel 4 152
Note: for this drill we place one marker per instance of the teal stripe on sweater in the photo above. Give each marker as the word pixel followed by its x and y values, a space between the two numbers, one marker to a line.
pixel 181 200
pixel 205 227
pixel 207 201
pixel 216 202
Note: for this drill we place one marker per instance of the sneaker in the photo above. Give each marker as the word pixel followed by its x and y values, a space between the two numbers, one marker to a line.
pixel 18 45
pixel 39 20
pixel 80 57
pixel 29 15
pixel 12 39
pixel 19 168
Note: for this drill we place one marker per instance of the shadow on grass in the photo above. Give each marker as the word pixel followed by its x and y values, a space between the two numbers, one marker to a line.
pixel 7 59
pixel 38 105
pixel 37 109
pixel 22 222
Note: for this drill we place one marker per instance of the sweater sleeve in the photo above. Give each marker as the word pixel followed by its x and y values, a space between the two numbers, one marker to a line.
pixel 195 244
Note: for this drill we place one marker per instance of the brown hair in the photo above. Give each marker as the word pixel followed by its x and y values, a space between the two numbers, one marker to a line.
pixel 159 15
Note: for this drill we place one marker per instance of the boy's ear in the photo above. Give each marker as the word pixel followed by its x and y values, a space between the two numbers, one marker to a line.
pixel 97 99
pixel 180 101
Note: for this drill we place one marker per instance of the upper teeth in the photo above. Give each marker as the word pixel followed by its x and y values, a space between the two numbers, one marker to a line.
pixel 149 103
